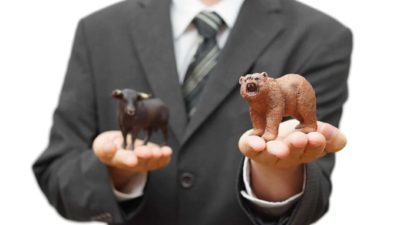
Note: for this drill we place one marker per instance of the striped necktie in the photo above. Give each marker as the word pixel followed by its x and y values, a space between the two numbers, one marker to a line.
pixel 208 25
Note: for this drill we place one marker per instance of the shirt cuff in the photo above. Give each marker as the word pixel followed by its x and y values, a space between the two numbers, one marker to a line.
pixel 133 189
pixel 270 208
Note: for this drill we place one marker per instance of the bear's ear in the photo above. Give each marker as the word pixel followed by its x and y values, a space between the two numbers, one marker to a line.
pixel 264 74
pixel 241 80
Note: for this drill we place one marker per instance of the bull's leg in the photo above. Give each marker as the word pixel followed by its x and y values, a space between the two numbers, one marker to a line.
pixel 124 136
pixel 134 133
pixel 148 135
pixel 164 130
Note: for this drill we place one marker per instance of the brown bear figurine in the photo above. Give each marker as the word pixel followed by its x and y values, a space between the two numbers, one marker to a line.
pixel 271 99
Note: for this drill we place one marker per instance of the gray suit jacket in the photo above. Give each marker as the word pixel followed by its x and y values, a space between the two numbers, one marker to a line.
pixel 130 45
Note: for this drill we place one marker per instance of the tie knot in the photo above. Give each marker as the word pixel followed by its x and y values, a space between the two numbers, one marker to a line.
pixel 208 24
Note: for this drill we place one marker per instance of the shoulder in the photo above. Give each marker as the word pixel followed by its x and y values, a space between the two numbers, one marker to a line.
pixel 305 20
pixel 111 17
pixel 111 12
pixel 308 32
pixel 110 23
pixel 308 16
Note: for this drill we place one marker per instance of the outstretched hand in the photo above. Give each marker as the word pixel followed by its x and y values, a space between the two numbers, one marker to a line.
pixel 278 164
pixel 123 164
pixel 292 147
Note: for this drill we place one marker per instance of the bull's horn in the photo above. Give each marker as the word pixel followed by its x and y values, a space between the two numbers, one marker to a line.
pixel 144 95
pixel 117 93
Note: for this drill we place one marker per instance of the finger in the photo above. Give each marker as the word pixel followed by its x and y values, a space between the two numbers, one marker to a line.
pixel 287 127
pixel 166 156
pixel 154 160
pixel 105 152
pixel 335 139
pixel 124 159
pixel 139 142
pixel 154 157
pixel 315 147
pixel 104 145
pixel 278 149
pixel 296 142
pixel 251 145
pixel 274 150
pixel 144 155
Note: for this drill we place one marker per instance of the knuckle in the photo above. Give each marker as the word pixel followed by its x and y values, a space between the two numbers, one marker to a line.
pixel 102 156
pixel 251 153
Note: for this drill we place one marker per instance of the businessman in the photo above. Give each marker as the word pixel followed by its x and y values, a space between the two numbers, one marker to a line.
pixel 191 55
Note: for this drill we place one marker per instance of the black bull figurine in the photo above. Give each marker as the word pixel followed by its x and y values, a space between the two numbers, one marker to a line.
pixel 138 111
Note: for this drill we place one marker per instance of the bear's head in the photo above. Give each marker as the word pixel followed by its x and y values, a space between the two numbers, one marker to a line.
pixel 252 86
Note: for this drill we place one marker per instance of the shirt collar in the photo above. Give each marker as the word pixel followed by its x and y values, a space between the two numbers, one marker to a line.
pixel 184 11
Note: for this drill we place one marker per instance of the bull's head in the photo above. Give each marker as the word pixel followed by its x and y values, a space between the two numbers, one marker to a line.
pixel 128 99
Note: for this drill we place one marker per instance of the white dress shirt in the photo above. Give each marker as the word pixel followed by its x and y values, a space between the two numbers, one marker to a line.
pixel 186 38
pixel 186 41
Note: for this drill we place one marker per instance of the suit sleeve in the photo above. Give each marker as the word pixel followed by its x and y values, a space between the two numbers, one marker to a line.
pixel 327 70
pixel 74 181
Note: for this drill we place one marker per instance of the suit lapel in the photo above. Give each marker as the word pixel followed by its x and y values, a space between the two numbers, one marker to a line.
pixel 257 25
pixel 152 37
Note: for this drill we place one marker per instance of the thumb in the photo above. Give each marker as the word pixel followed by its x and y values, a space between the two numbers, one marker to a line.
pixel 335 139
pixel 104 146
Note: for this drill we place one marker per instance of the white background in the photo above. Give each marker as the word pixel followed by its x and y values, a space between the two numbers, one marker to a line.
pixel 35 42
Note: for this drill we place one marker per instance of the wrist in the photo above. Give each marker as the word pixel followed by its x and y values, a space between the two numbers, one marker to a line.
pixel 273 183
pixel 120 178
pixel 276 171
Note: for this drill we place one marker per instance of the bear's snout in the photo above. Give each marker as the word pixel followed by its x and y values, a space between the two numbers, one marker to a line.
pixel 251 87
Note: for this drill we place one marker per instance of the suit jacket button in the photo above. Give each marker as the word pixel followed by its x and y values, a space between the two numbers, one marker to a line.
pixel 187 180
